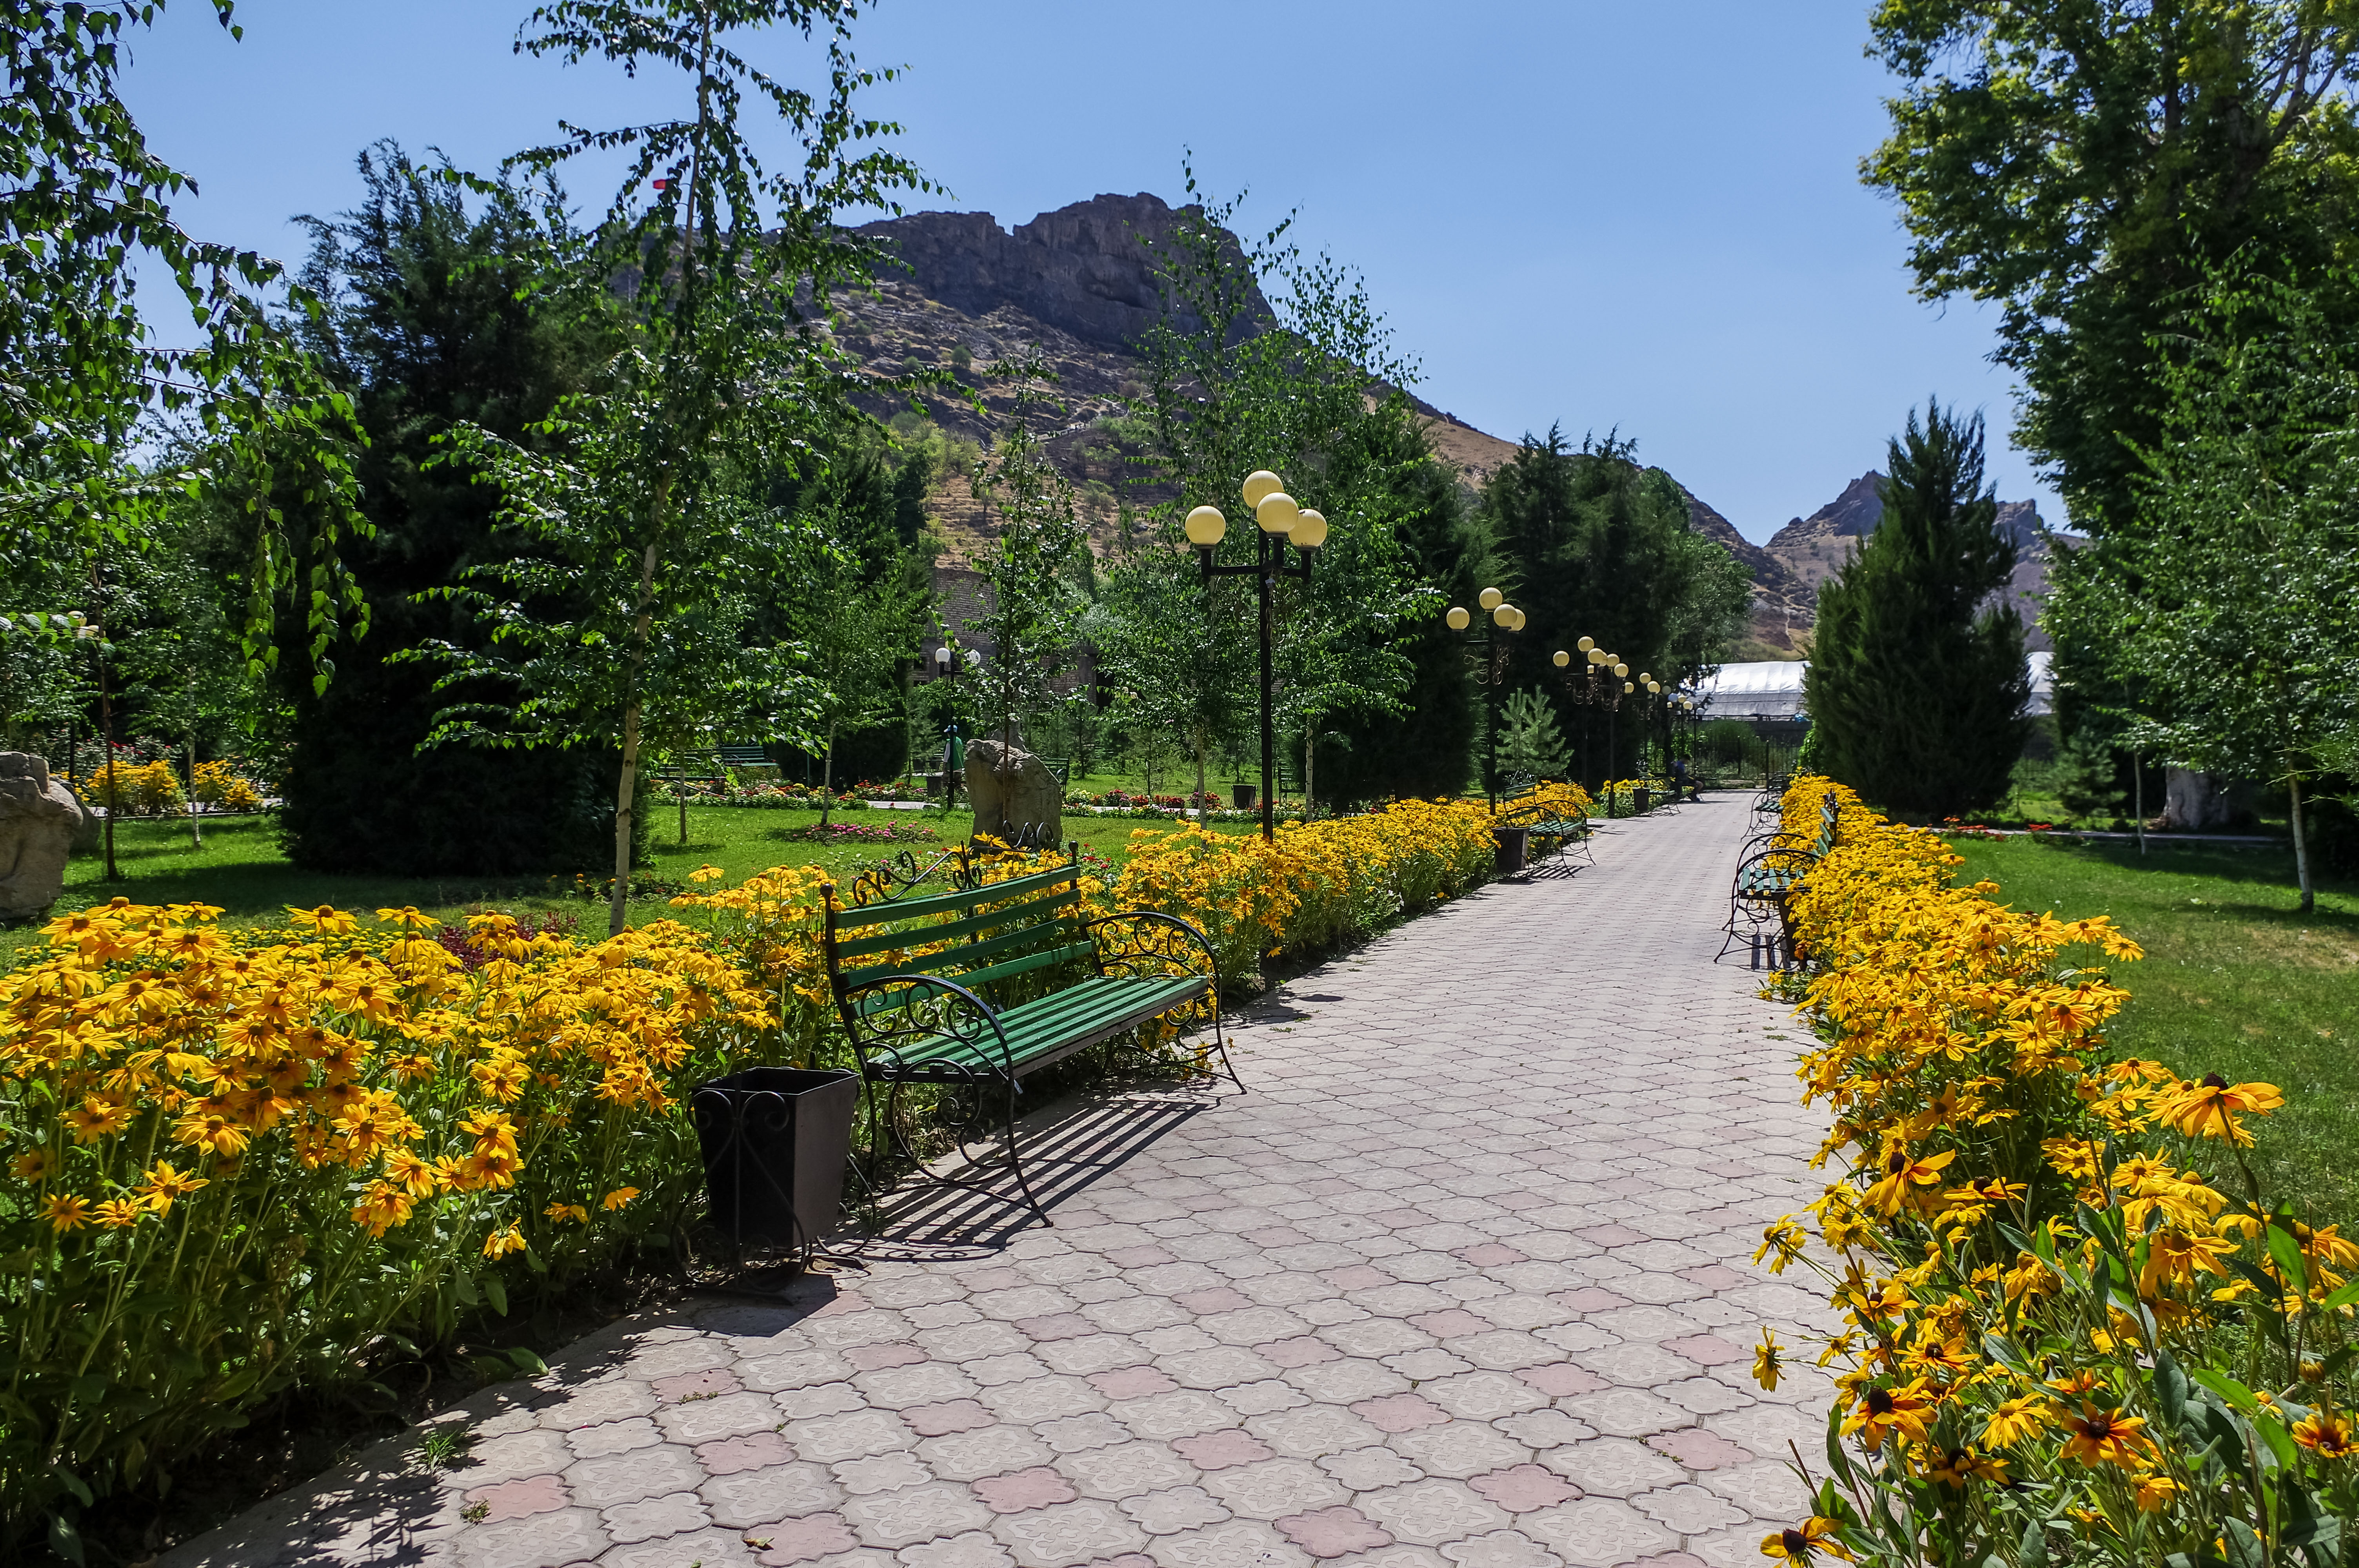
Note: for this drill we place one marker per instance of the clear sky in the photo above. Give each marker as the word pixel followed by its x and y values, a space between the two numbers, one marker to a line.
pixel 1645 216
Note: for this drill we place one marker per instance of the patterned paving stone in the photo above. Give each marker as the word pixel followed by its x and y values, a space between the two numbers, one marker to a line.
pixel 1451 1288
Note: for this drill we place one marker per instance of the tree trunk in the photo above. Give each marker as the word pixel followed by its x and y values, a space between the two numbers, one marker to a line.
pixel 1198 737
pixel 827 779
pixel 618 901
pixel 1309 746
pixel 196 828
pixel 2301 850
pixel 681 788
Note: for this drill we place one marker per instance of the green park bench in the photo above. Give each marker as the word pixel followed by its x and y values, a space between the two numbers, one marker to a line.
pixel 1770 873
pixel 977 988
pixel 1524 809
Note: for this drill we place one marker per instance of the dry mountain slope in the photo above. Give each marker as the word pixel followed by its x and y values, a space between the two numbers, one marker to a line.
pixel 1074 285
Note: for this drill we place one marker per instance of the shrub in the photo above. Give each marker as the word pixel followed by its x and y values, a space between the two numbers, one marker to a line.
pixel 2063 1342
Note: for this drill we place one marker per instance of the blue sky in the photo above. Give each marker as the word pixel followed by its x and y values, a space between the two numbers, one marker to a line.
pixel 1637 215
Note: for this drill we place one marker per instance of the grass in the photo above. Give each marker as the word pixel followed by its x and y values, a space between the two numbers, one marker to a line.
pixel 2234 981
pixel 241 869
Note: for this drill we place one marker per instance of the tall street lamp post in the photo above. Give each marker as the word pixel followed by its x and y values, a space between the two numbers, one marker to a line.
pixel 1489 667
pixel 953 748
pixel 1279 523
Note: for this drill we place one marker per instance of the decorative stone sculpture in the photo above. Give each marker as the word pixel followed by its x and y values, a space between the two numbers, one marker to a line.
pixel 40 820
pixel 1013 793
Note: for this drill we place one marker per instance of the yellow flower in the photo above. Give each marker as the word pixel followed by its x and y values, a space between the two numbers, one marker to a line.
pixel 1907 1409
pixel 2209 1108
pixel 1786 1238
pixel 1802 1542
pixel 121 1213
pixel 567 1212
pixel 2325 1434
pixel 2100 1436
pixel 96 1118
pixel 1768 1362
pixel 500 1243
pixel 1903 1175
pixel 1956 1467
pixel 163 1184
pixel 210 1131
pixel 65 1212
pixel 618 1198
pixel 2153 1490
pixel 34 1165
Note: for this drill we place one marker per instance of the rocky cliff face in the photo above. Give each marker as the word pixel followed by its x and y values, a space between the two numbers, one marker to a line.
pixel 1084 269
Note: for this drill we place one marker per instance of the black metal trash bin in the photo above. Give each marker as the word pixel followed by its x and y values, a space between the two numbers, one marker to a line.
pixel 1643 798
pixel 1244 795
pixel 776 1141
pixel 1515 844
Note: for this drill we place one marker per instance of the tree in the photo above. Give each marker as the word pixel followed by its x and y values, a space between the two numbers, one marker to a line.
pixel 1530 742
pixel 85 207
pixel 1590 545
pixel 726 377
pixel 1917 684
pixel 427 321
pixel 2082 163
pixel 2230 612
pixel 1035 603
pixel 1306 389
pixel 854 633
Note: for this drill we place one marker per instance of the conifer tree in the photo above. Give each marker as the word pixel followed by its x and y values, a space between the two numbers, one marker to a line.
pixel 1530 745
pixel 1916 685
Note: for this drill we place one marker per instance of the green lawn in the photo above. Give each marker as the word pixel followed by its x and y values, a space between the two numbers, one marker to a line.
pixel 2234 981
pixel 242 870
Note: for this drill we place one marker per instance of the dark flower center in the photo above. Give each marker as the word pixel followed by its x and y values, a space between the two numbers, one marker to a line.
pixel 1897 1163
pixel 1879 1403
pixel 1794 1541
pixel 2215 1081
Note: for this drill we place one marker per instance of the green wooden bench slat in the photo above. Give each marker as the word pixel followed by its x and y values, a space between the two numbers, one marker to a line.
pixel 1037 1030
pixel 968 954
pixel 937 904
pixel 887 941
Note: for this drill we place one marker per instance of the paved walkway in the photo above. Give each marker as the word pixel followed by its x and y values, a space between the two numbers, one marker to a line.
pixel 1463 1282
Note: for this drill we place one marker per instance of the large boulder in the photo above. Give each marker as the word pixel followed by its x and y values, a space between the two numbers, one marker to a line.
pixel 2204 803
pixel 1013 793
pixel 40 820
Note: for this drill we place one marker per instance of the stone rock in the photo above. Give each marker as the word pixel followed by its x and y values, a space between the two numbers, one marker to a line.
pixel 40 820
pixel 1013 793
pixel 2204 803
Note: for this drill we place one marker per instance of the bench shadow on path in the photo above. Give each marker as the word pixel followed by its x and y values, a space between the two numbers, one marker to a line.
pixel 1067 1148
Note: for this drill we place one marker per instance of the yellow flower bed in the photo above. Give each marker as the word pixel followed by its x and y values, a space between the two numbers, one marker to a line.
pixel 146 789
pixel 2062 1343
pixel 234 1159
pixel 239 1161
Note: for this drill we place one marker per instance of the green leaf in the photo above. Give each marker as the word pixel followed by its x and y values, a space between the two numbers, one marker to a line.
pixel 2290 1262
pixel 2344 1295
pixel 2033 1552
pixel 2244 1546
pixel 496 1293
pixel 2169 1388
pixel 2227 1388
pixel 64 1538
pixel 530 1365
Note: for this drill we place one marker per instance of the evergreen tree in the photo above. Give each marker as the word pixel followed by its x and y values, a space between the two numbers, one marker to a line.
pixel 425 325
pixel 1530 745
pixel 1916 688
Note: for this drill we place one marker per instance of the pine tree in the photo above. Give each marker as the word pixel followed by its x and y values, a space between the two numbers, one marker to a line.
pixel 1530 745
pixel 1917 684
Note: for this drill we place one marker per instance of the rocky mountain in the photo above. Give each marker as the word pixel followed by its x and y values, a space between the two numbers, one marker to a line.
pixel 1076 286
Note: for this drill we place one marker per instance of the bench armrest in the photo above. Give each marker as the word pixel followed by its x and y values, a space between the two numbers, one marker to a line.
pixel 904 1023
pixel 1154 945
